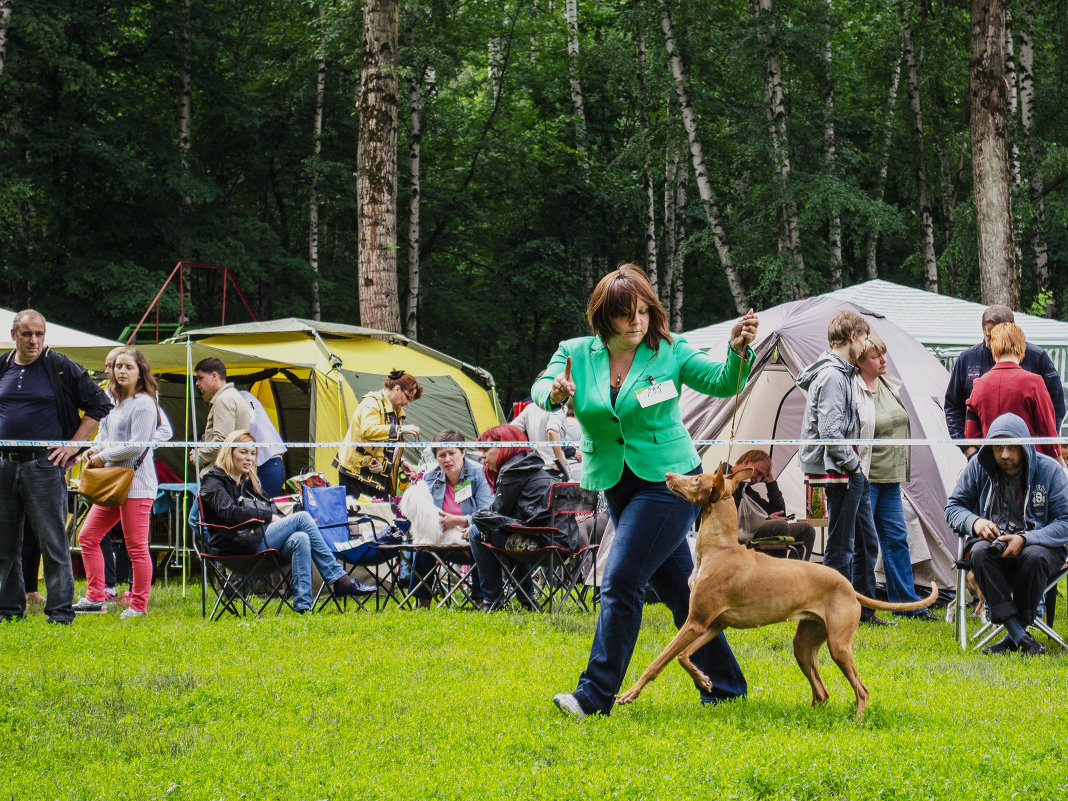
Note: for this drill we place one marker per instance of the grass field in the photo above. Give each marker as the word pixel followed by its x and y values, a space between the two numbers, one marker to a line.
pixel 455 705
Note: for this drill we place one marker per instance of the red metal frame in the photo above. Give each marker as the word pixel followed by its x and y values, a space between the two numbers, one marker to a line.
pixel 228 278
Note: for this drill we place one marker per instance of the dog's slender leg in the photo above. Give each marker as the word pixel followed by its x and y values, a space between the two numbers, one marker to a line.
pixel 687 634
pixel 810 636
pixel 840 644
pixel 698 675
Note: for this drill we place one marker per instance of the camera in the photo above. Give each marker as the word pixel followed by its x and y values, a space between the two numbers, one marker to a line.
pixel 997 547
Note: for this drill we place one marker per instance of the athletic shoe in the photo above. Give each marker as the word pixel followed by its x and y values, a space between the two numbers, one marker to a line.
pixel 126 598
pixel 569 705
pixel 87 607
pixel 110 595
pixel 129 614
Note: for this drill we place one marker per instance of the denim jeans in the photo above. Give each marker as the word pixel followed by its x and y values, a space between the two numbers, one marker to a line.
pixel 852 543
pixel 297 537
pixel 36 489
pixel 649 548
pixel 1014 586
pixel 272 475
pixel 893 542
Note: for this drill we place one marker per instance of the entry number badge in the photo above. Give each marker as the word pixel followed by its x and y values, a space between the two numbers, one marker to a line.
pixel 462 492
pixel 657 393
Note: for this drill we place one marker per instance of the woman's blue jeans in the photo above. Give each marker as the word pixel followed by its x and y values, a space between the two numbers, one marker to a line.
pixel 649 548
pixel 852 543
pixel 297 537
pixel 893 542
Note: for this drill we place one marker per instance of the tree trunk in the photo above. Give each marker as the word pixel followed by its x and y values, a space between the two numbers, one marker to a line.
pixel 376 168
pixel 671 169
pixel 990 154
pixel 1036 188
pixel 789 240
pixel 5 18
pixel 834 232
pixel 651 266
pixel 682 182
pixel 577 103
pixel 415 144
pixel 1014 149
pixel 313 187
pixel 880 183
pixel 930 263
pixel 185 122
pixel 689 122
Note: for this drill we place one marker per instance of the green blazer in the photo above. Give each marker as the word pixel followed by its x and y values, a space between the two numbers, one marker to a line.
pixel 651 440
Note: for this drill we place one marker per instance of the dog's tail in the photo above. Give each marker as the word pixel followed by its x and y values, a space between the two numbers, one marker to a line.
pixel 886 606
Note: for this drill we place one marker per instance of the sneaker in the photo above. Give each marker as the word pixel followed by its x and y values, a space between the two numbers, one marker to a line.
pixel 569 705
pixel 110 595
pixel 1029 646
pixel 1004 646
pixel 129 614
pixel 126 598
pixel 87 607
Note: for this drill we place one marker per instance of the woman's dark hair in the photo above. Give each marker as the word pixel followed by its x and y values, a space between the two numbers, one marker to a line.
pixel 503 433
pixel 146 382
pixel 618 294
pixel 406 381
pixel 448 435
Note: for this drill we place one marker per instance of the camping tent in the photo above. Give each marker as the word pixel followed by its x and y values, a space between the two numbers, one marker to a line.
pixel 771 404
pixel 56 336
pixel 310 376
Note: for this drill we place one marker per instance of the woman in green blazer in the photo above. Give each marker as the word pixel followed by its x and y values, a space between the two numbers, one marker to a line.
pixel 625 380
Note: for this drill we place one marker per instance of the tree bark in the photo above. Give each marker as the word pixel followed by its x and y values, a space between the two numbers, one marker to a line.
pixel 678 266
pixel 5 18
pixel 415 145
pixel 314 233
pixel 789 239
pixel 1036 188
pixel 923 192
pixel 651 266
pixel 990 154
pixel 185 122
pixel 834 230
pixel 689 122
pixel 880 183
pixel 578 105
pixel 376 168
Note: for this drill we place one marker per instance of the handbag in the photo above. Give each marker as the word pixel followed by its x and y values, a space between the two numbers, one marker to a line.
pixel 108 486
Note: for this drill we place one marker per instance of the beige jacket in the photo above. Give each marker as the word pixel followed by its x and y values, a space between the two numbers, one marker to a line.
pixel 370 423
pixel 228 412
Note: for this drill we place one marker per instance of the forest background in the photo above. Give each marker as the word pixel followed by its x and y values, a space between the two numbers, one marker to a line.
pixel 744 152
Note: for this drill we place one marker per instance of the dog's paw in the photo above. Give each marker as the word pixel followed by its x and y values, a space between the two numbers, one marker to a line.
pixel 627 697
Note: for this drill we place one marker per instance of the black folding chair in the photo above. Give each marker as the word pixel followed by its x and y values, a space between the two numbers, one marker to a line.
pixel 359 544
pixel 550 572
pixel 244 583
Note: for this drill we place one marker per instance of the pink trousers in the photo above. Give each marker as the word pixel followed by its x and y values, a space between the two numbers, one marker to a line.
pixel 134 516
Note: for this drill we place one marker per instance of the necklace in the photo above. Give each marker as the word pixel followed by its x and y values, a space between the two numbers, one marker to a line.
pixel 619 379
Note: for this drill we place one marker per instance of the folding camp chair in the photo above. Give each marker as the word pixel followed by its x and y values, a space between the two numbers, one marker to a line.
pixel 553 571
pixel 242 584
pixel 359 544
pixel 450 579
pixel 989 630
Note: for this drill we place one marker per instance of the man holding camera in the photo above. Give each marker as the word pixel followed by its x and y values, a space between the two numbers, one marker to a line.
pixel 1012 504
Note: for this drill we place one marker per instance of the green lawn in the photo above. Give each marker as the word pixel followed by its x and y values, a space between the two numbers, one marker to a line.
pixel 456 705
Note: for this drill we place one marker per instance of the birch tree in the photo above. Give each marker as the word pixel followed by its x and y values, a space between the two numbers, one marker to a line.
pixel 376 168
pixel 834 230
pixel 648 190
pixel 990 154
pixel 689 123
pixel 313 184
pixel 185 141
pixel 1036 185
pixel 415 146
pixel 923 192
pixel 884 163
pixel 5 19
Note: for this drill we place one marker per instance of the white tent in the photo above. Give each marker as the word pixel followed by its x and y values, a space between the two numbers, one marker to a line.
pixel 56 336
pixel 770 406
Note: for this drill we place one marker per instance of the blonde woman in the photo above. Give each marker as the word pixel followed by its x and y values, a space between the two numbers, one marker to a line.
pixel 231 500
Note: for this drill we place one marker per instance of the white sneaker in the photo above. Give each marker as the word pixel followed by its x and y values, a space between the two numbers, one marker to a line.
pixel 129 614
pixel 569 705
pixel 87 607
pixel 110 595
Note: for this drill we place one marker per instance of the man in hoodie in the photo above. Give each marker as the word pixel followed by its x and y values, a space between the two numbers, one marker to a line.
pixel 1011 502
pixel 831 414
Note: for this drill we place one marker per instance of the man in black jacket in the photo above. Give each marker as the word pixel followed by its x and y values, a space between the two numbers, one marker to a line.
pixel 978 360
pixel 41 395
pixel 776 523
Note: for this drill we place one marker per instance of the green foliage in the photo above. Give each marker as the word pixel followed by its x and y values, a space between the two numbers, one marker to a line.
pixel 1042 304
pixel 441 705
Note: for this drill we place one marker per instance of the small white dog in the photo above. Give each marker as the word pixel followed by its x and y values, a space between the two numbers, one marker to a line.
pixel 418 506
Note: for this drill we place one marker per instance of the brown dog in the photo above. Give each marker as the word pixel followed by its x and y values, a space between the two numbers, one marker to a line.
pixel 734 587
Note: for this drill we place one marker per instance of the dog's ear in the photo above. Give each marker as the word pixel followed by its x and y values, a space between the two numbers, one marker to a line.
pixel 732 481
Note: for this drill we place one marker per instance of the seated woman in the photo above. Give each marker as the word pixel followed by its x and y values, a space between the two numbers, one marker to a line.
pixel 459 488
pixel 520 486
pixel 776 524
pixel 231 498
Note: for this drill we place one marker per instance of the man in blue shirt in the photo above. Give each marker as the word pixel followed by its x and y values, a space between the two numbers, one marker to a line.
pixel 41 395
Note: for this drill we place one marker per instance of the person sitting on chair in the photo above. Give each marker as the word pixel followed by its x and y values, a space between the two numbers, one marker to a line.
pixel 1011 502
pixel 776 524
pixel 231 498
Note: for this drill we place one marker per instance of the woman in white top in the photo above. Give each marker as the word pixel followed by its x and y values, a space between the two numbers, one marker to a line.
pixel 134 419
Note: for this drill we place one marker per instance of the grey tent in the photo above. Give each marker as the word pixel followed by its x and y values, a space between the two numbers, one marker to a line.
pixel 770 406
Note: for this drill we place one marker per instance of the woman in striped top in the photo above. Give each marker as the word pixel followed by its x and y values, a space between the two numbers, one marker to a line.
pixel 133 419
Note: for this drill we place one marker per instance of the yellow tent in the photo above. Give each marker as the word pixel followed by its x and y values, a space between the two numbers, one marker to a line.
pixel 310 376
